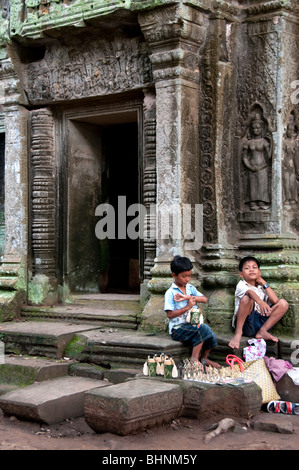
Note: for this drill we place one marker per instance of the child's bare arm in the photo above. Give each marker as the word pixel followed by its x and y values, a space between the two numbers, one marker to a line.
pixel 198 298
pixel 264 307
pixel 269 291
pixel 180 311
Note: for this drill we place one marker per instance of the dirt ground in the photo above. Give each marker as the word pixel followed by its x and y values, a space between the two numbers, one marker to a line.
pixel 182 434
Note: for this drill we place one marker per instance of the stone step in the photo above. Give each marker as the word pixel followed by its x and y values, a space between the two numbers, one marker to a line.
pixel 39 338
pixel 111 348
pixel 50 401
pixel 86 343
pixel 111 301
pixel 107 310
pixel 25 370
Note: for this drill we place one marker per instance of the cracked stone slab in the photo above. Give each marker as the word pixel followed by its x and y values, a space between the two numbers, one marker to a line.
pixel 50 401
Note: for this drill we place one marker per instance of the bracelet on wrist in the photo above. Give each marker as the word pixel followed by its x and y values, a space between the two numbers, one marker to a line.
pixel 265 286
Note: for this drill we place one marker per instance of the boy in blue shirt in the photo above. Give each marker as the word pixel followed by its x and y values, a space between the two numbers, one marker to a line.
pixel 179 299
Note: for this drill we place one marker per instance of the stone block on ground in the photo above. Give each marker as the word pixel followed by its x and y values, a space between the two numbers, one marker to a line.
pixel 208 400
pixel 132 406
pixel 50 401
pixel 273 423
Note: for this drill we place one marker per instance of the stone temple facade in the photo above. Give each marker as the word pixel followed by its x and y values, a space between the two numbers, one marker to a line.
pixel 105 104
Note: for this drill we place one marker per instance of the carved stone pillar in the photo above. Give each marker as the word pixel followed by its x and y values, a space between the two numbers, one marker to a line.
pixel 175 34
pixel 217 257
pixel 149 181
pixel 13 270
pixel 43 205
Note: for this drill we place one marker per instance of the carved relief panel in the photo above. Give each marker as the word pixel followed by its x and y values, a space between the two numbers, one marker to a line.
pixel 290 130
pixel 290 162
pixel 256 155
pixel 257 102
pixel 88 68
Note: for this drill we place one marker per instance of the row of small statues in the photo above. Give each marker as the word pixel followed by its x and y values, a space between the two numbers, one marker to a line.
pixel 191 370
pixel 194 370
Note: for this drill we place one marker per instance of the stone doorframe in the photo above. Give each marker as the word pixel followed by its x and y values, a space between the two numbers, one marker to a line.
pixel 48 159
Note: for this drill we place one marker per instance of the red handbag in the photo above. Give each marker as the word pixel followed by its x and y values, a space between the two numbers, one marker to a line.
pixel 231 359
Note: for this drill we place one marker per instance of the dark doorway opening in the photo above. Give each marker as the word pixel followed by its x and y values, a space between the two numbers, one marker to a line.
pixel 103 168
pixel 120 150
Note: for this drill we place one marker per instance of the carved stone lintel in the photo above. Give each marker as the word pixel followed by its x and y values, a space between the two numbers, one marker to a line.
pixel 90 67
pixel 43 193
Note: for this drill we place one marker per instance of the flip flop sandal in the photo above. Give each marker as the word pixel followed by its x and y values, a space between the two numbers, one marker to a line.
pixel 274 406
pixel 287 407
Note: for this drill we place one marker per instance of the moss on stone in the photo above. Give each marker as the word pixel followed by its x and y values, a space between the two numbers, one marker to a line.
pixel 76 347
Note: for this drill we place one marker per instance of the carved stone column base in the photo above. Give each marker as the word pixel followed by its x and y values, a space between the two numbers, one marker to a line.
pixel 13 287
pixel 219 274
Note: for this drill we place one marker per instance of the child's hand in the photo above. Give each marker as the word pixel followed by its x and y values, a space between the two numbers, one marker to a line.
pixel 265 308
pixel 191 302
pixel 260 281
pixel 179 297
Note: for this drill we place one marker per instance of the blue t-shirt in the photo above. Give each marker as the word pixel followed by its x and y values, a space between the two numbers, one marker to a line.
pixel 170 304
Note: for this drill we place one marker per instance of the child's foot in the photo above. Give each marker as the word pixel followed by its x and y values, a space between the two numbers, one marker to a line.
pixel 213 364
pixel 235 342
pixel 264 334
pixel 196 362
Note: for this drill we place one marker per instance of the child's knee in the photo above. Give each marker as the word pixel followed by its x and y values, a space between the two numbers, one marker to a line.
pixel 246 301
pixel 283 304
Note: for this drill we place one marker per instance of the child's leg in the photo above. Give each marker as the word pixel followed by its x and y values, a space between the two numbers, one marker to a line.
pixel 277 312
pixel 209 344
pixel 196 337
pixel 205 355
pixel 196 350
pixel 245 309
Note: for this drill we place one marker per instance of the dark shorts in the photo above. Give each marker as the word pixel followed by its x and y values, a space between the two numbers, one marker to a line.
pixel 192 335
pixel 253 323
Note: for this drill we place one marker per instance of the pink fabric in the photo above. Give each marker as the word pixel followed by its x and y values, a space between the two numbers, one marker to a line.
pixel 277 367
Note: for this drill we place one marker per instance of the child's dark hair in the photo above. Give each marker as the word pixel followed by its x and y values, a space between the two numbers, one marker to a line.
pixel 180 264
pixel 248 258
